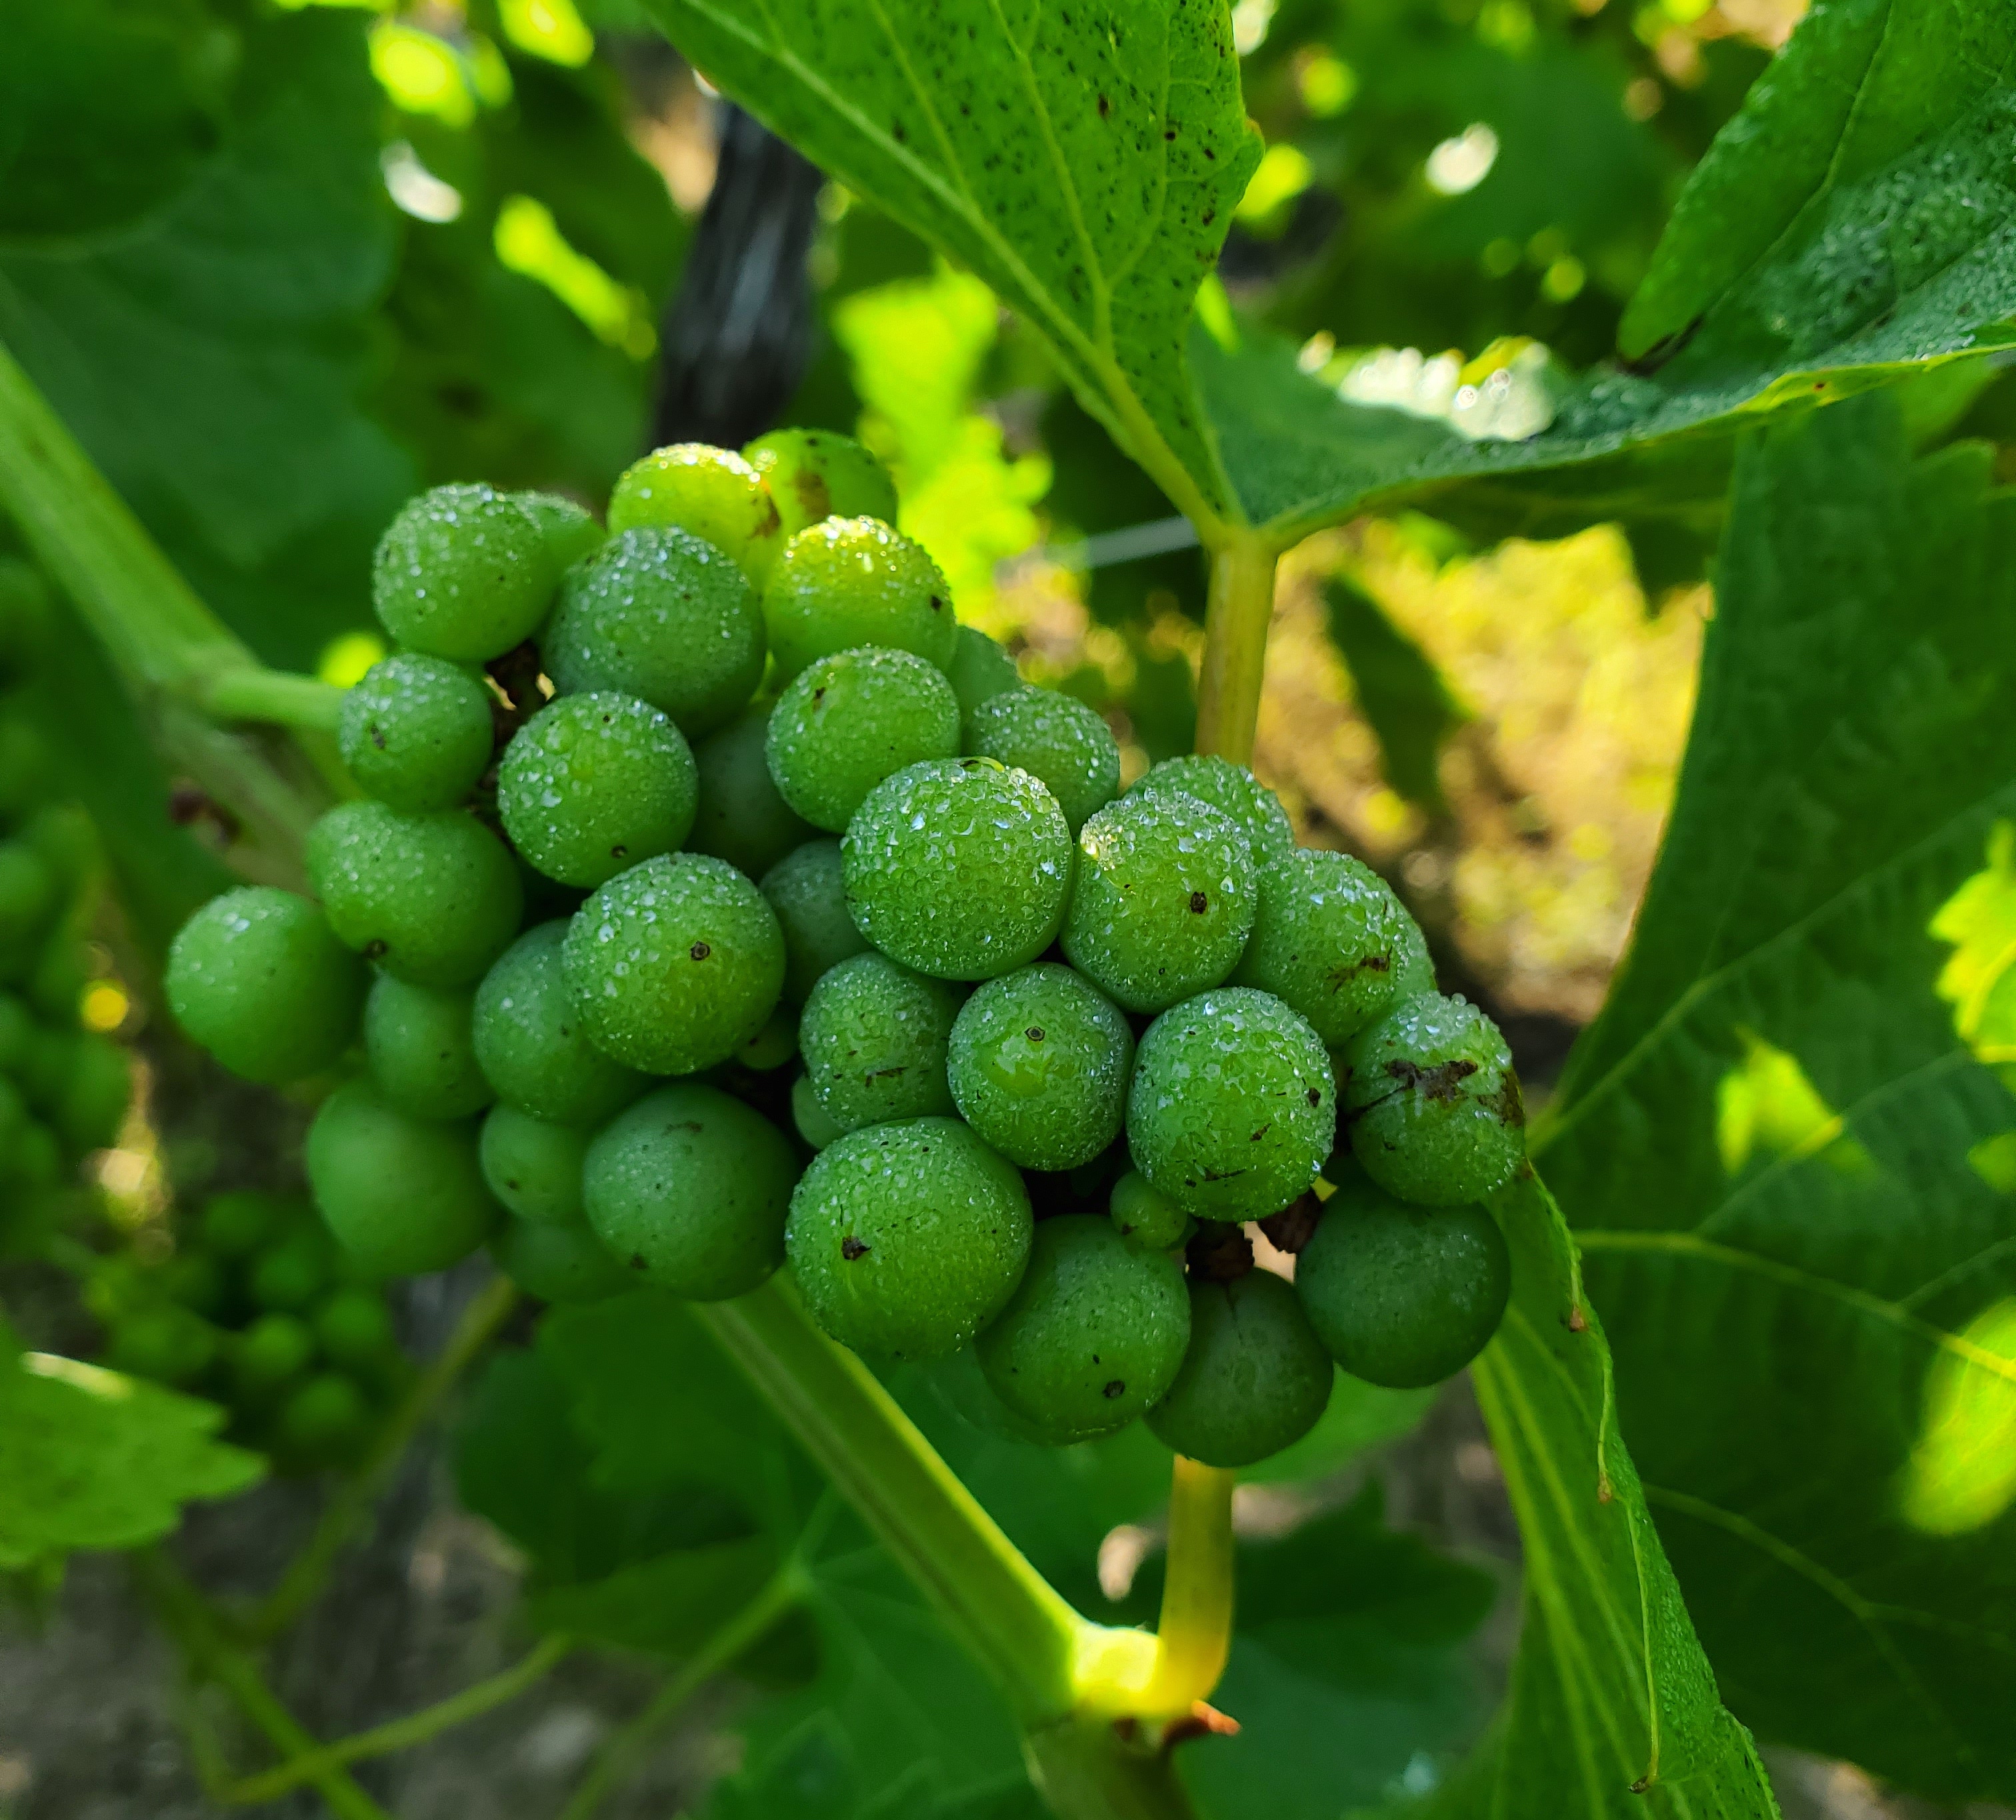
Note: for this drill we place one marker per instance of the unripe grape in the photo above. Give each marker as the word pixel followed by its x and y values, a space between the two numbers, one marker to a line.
pixel 1163 900
pixel 688 1189
pixel 906 1240
pixel 1255 1379
pixel 294 1270
pixel 557 1261
pixel 56 983
pixel 1038 1064
pixel 1235 793
pixel 532 1166
pixel 1331 940
pixel 433 899
pixel 419 1046
pixel 658 614
pixel 852 719
pixel 417 733
pixel 958 868
pixel 852 581
pixel 1094 1335
pixel 807 890
pixel 1054 737
pixel 1232 1108
pixel 236 1224
pixel 711 493
pixel 402 1195
pixel 674 964
pixel 270 1353
pixel 168 1345
pixel 815 1124
pixel 92 1105
pixel 773 1045
pixel 569 530
pixel 257 977
pixel 1432 1104
pixel 874 1037
pixel 814 474
pixel 980 670
pixel 354 1328
pixel 327 1418
pixel 532 1043
pixel 28 889
pixel 463 572
pixel 1147 1217
pixel 592 784
pixel 1403 1296
pixel 741 819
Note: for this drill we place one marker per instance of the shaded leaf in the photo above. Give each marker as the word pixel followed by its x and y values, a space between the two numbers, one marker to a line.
pixel 1085 161
pixel 1793 1124
pixel 1400 691
pixel 92 1459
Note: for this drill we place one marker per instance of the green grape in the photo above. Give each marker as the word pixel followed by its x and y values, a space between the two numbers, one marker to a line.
pixel 1432 1104
pixel 196 1281
pixel 593 784
pixel 1403 1296
pixel 1054 737
pixel 1255 1379
pixel 815 1124
pixel 741 819
pixel 1038 1063
pixel 853 581
pixel 958 868
pixel 674 964
pixel 773 1045
pixel 433 899
pixel 293 1272
pixel 419 1045
pixel 815 474
pixel 1331 940
pixel 1094 1335
pixel 27 892
pixel 533 1166
pixel 63 835
pixel 874 1037
pixel 402 1195
pixel 569 530
pixel 1163 900
pixel 852 719
pixel 24 619
pixel 980 670
pixel 1145 1217
pixel 1233 1107
pixel 658 614
pixel 463 572
pixel 1234 791
pixel 17 1028
pixel 532 1043
pixel 257 977
pixel 807 889
pixel 711 493
pixel 906 1240
pixel 354 1328
pixel 688 1189
pixel 168 1345
pixel 270 1352
pixel 327 1418
pixel 557 1261
pixel 236 1224
pixel 417 733
pixel 24 766
pixel 92 1105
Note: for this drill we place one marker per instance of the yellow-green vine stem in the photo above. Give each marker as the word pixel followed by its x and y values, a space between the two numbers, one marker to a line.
pixel 1194 1637
pixel 1241 604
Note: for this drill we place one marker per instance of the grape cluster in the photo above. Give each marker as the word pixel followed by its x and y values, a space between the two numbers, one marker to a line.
pixel 256 1308
pixel 63 1089
pixel 779 923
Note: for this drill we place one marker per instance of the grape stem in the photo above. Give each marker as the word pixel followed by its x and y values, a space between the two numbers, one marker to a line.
pixel 276 696
pixel 1237 616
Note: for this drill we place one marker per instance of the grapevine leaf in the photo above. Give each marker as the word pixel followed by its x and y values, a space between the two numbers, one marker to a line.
pixel 1084 159
pixel 209 350
pixel 1411 708
pixel 1791 1140
pixel 92 1459
pixel 1613 1709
